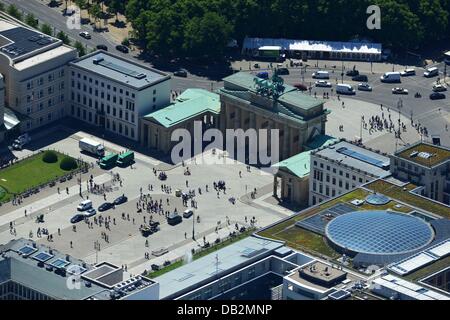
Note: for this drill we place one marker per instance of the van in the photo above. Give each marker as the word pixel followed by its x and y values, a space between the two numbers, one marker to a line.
pixel 345 89
pixel 321 75
pixel 431 72
pixel 85 205
pixel 391 77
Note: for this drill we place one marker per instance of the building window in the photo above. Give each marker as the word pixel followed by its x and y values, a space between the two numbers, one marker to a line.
pixel 132 132
pixel 127 93
pixel 41 81
pixel 29 85
pixel 154 91
pixel 114 112
pixel 49 117
pixel 29 110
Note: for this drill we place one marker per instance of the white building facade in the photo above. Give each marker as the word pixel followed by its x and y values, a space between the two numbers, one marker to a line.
pixel 112 93
pixel 341 167
pixel 34 69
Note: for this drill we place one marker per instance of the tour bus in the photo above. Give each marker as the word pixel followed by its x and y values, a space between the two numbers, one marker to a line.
pixel 391 77
pixel 345 89
pixel 109 161
pixel 125 159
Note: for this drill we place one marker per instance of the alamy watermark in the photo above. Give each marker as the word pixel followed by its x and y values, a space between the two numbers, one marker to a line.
pixel 251 147
pixel 374 20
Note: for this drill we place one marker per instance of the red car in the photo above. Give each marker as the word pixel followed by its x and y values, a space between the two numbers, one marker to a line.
pixel 301 87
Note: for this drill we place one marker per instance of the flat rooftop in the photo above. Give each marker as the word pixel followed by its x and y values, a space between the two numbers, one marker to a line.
pixel 425 154
pixel 359 158
pixel 210 267
pixel 16 41
pixel 317 273
pixel 120 70
pixel 20 263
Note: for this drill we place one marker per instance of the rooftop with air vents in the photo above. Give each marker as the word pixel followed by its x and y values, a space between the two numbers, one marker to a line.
pixel 425 154
pixel 120 70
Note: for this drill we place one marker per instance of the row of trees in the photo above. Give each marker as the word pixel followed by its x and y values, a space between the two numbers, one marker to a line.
pixel 196 27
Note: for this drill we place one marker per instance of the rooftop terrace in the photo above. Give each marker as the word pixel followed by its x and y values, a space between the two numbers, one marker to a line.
pixel 425 154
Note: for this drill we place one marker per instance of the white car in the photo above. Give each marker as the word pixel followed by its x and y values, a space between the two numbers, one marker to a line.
pixel 85 34
pixel 323 84
pixel 90 213
pixel 364 87
pixel 399 91
pixel 408 72
pixel 439 88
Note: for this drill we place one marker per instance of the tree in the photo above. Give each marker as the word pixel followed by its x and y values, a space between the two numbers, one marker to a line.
pixel 64 37
pixel 47 29
pixel 2 6
pixel 95 12
pixel 115 7
pixel 31 21
pixel 207 35
pixel 14 12
pixel 50 156
pixel 80 48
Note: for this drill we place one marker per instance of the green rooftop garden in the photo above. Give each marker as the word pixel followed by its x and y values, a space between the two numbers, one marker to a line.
pixel 396 192
pixel 438 154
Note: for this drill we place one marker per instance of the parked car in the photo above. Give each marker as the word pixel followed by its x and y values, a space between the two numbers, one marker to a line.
pixel 321 75
pixel 323 84
pixel 188 213
pixel 85 35
pixel 90 213
pixel 352 73
pixel 256 66
pixel 439 88
pixel 364 87
pixel 437 96
pixel 122 48
pixel 399 91
pixel 105 206
pixel 431 72
pixel 85 205
pixel 301 87
pixel 77 218
pixel 102 47
pixel 181 73
pixel 263 75
pixel 283 71
pixel 120 200
pixel 360 78
pixel 408 73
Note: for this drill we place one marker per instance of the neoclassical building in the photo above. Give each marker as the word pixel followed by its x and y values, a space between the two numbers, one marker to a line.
pixel 248 102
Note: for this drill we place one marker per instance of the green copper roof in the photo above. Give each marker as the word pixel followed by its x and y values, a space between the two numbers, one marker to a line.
pixel 189 104
pixel 291 95
pixel 299 165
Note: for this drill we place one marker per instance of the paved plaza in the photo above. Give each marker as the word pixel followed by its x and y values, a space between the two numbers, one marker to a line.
pixel 125 243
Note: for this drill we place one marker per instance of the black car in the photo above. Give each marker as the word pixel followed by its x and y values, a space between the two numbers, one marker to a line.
pixel 174 219
pixel 122 48
pixel 437 96
pixel 352 73
pixel 77 218
pixel 180 73
pixel 120 200
pixel 105 206
pixel 102 47
pixel 283 71
pixel 360 78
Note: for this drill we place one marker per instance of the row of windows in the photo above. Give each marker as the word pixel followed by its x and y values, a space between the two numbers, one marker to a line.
pixel 327 188
pixel 89 103
pixel 40 81
pixel 40 93
pixel 40 105
pixel 318 175
pixel 110 125
pixel 15 291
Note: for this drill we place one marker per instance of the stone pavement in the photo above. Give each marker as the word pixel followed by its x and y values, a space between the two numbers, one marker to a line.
pixel 350 117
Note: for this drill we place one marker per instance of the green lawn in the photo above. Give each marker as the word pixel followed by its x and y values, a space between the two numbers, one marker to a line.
pixel 29 173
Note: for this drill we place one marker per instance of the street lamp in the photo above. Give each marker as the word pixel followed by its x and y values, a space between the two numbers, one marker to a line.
pixel 193 227
pixel 97 249
pixel 399 107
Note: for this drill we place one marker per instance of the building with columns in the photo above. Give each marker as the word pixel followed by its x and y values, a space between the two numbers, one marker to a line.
pixel 194 107
pixel 248 102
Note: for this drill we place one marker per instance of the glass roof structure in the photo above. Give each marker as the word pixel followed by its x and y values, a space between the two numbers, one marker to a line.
pixel 378 232
pixel 377 199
